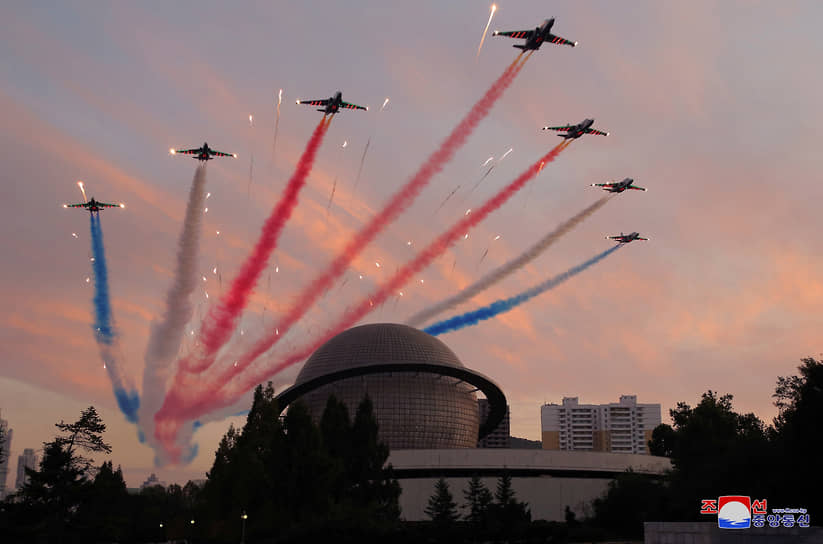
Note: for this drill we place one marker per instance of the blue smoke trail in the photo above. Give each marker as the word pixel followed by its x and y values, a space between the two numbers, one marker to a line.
pixel 501 306
pixel 126 395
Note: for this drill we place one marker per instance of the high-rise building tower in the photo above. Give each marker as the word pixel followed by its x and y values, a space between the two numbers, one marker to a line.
pixel 4 456
pixel 617 427
pixel 500 437
pixel 27 460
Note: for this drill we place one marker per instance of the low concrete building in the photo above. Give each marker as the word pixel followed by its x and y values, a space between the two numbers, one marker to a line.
pixel 547 480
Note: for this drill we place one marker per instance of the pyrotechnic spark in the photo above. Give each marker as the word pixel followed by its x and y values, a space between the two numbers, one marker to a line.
pixel 276 125
pixel 422 282
pixel 276 269
pixel 207 294
pixel 506 153
pixel 377 264
pixel 490 159
pixel 468 211
pixel 485 30
pixel 218 233
pixel 251 121
pixel 331 196
pixel 204 278
pixel 466 236
pixel 361 276
pixel 208 195
pixel 206 210
pixel 88 279
pixel 451 194
pixel 91 259
pixel 497 237
pixel 279 100
pixel 385 102
pixel 214 270
pixel 74 234
pixel 409 243
pixel 82 190
pixel 345 143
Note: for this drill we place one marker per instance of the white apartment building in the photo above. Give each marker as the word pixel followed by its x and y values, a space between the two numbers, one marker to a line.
pixel 617 427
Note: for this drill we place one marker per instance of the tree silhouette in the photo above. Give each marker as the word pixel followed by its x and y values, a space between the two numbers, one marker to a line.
pixel 441 508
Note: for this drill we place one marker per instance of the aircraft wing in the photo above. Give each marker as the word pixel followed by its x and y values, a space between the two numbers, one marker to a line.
pixel 598 132
pixel 562 41
pixel 524 34
pixel 84 205
pixel 352 106
pixel 564 127
pixel 324 102
pixel 604 184
pixel 109 205
pixel 187 151
pixel 221 154
pixel 636 188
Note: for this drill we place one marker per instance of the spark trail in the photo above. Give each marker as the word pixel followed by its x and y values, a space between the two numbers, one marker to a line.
pixel 366 150
pixel 220 391
pixel 167 334
pixel 276 126
pixel 504 305
pixel 221 320
pixel 178 403
pixel 485 30
pixel 104 331
pixel 508 268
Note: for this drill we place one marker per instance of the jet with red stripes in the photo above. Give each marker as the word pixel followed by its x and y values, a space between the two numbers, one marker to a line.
pixel 535 38
pixel 578 130
pixel 333 104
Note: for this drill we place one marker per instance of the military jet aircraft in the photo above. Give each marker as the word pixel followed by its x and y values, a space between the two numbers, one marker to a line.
pixel 94 206
pixel 578 130
pixel 535 38
pixel 619 186
pixel 204 153
pixel 626 238
pixel 333 104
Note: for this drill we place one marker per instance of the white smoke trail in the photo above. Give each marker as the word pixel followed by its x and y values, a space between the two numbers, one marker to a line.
pixel 167 334
pixel 507 269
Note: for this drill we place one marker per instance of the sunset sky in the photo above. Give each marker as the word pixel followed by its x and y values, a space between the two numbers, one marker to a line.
pixel 714 107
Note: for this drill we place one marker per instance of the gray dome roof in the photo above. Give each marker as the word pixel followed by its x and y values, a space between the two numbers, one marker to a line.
pixel 375 344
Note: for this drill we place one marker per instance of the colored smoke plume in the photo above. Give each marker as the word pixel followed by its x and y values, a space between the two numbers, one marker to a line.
pixel 104 331
pixel 221 320
pixel 501 306
pixel 507 269
pixel 167 333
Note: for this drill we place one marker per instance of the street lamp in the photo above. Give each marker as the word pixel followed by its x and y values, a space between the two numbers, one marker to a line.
pixel 244 517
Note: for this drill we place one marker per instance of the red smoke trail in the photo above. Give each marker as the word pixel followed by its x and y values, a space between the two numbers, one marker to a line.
pixel 186 401
pixel 221 320
pixel 214 398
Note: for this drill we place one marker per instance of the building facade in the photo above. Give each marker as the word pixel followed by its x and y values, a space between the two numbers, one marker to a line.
pixel 500 437
pixel 617 427
pixel 4 455
pixel 26 461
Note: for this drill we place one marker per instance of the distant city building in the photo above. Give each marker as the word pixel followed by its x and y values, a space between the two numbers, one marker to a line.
pixel 26 461
pixel 617 427
pixel 500 437
pixel 152 481
pixel 4 456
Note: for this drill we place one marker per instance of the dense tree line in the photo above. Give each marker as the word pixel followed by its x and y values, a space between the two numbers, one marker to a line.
pixel 717 451
pixel 294 479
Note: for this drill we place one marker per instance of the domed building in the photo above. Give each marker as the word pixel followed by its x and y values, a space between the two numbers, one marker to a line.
pixel 423 396
pixel 427 411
